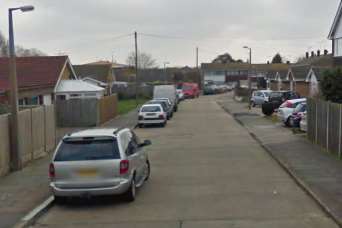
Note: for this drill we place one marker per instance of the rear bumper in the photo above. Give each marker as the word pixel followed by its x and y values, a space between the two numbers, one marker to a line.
pixel 151 121
pixel 114 190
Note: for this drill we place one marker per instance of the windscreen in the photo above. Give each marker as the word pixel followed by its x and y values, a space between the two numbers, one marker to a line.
pixel 89 149
pixel 150 109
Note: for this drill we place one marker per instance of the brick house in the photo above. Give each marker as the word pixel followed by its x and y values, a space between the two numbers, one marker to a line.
pixel 38 78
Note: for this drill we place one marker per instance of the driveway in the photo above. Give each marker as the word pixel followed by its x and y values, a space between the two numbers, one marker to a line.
pixel 206 172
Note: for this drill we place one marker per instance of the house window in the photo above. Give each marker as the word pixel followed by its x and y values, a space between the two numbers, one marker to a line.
pixel 75 96
pixel 338 47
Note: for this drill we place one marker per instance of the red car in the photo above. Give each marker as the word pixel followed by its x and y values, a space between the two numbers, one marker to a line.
pixel 190 90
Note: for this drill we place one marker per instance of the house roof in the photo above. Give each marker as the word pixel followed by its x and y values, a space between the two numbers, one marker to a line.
pixel 320 61
pixel 244 66
pixel 272 75
pixel 300 72
pixel 336 22
pixel 42 71
pixel 69 86
pixel 319 72
pixel 98 72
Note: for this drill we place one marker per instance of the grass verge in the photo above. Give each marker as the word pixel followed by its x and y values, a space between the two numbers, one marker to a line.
pixel 127 105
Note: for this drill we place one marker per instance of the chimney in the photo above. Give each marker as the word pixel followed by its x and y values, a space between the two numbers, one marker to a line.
pixel 318 53
pixel 307 55
pixel 326 52
pixel 312 54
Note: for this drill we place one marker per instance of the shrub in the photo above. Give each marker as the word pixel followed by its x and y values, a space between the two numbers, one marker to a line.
pixel 331 85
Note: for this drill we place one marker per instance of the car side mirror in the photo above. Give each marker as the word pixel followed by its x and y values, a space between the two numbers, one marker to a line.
pixel 146 143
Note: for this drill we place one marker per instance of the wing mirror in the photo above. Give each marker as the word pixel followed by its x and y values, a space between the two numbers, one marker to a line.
pixel 146 143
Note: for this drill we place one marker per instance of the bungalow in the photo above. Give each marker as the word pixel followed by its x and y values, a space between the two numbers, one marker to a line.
pixel 78 89
pixel 314 77
pixel 38 78
pixel 96 74
pixel 296 79
pixel 275 79
pixel 235 72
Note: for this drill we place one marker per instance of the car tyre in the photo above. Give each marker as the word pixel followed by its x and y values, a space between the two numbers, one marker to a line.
pixel 288 122
pixel 131 192
pixel 140 125
pixel 253 104
pixel 163 124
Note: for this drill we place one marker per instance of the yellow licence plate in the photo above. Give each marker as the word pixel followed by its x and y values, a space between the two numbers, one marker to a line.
pixel 87 172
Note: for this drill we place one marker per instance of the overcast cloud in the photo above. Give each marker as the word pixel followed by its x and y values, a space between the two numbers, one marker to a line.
pixel 84 29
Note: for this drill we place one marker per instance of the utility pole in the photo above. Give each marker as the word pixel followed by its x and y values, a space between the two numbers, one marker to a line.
pixel 136 67
pixel 15 157
pixel 197 58
pixel 249 75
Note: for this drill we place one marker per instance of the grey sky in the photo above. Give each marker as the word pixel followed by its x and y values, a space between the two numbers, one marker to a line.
pixel 84 29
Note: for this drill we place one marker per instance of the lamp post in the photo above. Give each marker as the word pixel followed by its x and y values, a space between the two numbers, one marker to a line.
pixel 165 74
pixel 249 73
pixel 15 154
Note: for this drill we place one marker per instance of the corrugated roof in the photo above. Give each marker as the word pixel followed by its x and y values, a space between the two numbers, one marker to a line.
pixel 67 86
pixel 42 71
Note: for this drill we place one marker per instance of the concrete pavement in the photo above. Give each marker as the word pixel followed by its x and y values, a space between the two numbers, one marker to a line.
pixel 319 172
pixel 206 172
pixel 22 191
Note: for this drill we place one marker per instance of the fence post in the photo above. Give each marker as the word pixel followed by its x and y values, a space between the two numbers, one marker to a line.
pixel 339 133
pixel 327 129
pixel 316 122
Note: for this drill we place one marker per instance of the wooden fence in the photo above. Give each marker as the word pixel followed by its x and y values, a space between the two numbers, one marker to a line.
pixel 86 112
pixel 325 125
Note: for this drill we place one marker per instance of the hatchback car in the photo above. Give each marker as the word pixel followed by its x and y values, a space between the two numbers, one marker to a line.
pixel 99 162
pixel 287 108
pixel 152 114
pixel 166 106
pixel 259 97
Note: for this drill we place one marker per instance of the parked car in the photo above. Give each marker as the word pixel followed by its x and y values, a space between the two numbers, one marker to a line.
pixel 287 108
pixel 303 123
pixel 296 116
pixel 209 89
pixel 99 162
pixel 166 106
pixel 167 91
pixel 279 97
pixel 260 97
pixel 152 114
pixel 190 90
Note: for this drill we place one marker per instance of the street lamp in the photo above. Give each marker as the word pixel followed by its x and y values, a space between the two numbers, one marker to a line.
pixel 249 72
pixel 165 74
pixel 15 154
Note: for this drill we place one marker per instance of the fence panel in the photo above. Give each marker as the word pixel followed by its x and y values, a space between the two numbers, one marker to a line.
pixel 108 108
pixel 77 113
pixel 322 117
pixel 333 129
pixel 38 132
pixel 50 128
pixel 311 120
pixel 4 145
pixel 25 136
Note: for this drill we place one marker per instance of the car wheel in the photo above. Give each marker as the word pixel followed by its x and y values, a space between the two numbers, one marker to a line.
pixel 131 192
pixel 140 125
pixel 148 171
pixel 253 104
pixel 59 200
pixel 163 124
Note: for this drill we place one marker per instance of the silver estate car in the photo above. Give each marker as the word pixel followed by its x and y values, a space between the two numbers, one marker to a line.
pixel 99 162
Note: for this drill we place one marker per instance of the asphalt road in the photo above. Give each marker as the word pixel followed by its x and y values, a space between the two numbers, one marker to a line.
pixel 206 172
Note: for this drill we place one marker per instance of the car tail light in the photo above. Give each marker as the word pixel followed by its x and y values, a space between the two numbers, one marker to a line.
pixel 124 166
pixel 161 116
pixel 52 172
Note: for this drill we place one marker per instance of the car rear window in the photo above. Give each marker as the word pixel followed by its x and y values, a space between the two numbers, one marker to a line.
pixel 276 94
pixel 150 109
pixel 88 149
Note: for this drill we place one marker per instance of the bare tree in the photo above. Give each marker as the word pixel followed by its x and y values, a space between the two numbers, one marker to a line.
pixel 145 60
pixel 20 51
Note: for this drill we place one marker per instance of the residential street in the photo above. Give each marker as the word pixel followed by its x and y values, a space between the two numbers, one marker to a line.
pixel 206 172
